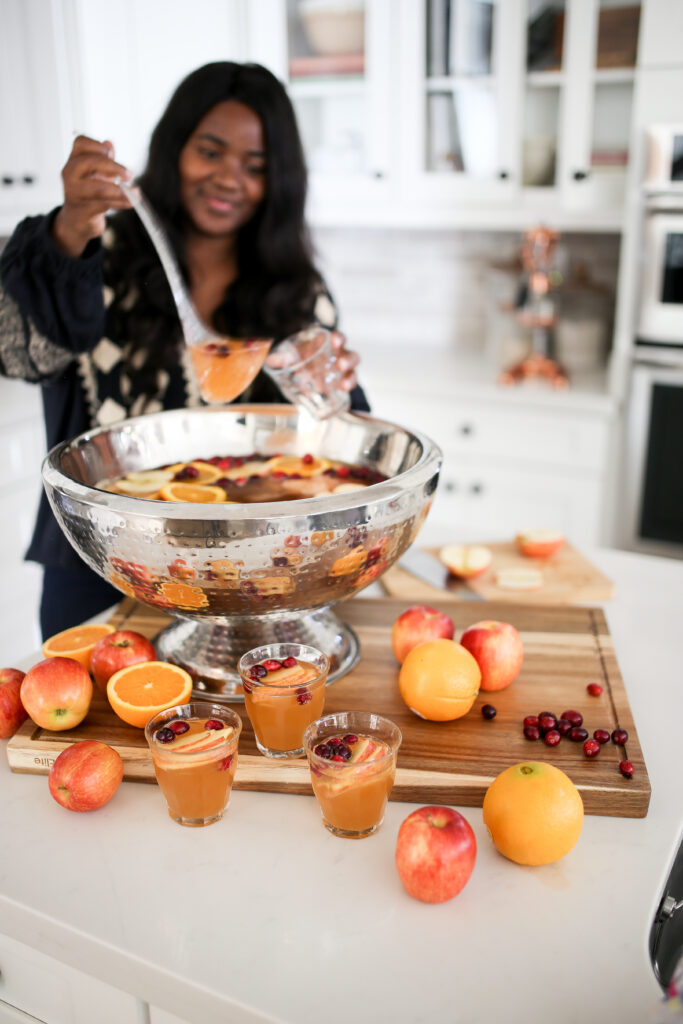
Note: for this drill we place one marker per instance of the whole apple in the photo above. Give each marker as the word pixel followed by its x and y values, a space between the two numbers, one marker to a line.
pixel 118 650
pixel 435 853
pixel 417 625
pixel 85 776
pixel 12 711
pixel 498 650
pixel 57 693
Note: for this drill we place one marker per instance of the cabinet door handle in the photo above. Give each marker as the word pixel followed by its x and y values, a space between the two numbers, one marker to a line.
pixel 503 175
pixel 450 487
pixel 477 489
pixel 7 179
pixel 580 175
pixel 28 179
pixel 466 429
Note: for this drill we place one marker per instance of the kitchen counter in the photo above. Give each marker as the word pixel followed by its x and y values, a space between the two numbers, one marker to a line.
pixel 265 915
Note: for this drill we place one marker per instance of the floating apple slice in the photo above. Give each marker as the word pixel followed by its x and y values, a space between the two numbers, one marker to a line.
pixel 465 560
pixel 190 742
pixel 343 488
pixel 519 579
pixel 539 543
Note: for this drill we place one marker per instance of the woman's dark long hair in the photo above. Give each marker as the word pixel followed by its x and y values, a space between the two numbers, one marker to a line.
pixel 277 280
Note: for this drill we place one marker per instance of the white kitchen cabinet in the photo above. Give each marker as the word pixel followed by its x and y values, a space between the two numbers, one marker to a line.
pixel 35 107
pixel 508 466
pixel 37 987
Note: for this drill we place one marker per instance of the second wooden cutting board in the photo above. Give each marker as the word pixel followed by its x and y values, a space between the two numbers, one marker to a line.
pixel 568 578
pixel 439 762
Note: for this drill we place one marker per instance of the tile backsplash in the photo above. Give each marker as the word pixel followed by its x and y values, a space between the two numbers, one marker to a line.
pixel 396 287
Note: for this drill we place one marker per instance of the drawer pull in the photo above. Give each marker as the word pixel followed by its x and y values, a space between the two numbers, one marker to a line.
pixel 466 429
pixel 450 487
pixel 477 489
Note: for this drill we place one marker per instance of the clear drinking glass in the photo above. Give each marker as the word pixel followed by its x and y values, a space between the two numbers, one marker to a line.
pixel 352 757
pixel 304 367
pixel 194 748
pixel 284 691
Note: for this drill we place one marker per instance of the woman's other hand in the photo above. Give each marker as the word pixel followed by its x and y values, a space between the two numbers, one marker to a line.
pixel 346 360
pixel 89 177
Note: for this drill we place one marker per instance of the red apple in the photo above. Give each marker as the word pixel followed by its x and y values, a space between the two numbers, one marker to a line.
pixel 118 650
pixel 12 711
pixel 417 625
pixel 435 853
pixel 539 543
pixel 57 693
pixel 465 560
pixel 498 650
pixel 85 776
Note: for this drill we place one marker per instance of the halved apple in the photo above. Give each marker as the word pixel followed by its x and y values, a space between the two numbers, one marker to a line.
pixel 465 560
pixel 539 543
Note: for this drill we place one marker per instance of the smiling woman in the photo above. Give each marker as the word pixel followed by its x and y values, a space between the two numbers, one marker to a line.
pixel 85 307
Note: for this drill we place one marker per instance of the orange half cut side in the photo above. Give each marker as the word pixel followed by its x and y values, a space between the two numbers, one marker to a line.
pixel 76 642
pixel 139 692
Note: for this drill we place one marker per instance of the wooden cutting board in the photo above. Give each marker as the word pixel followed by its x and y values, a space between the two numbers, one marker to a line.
pixel 568 578
pixel 442 763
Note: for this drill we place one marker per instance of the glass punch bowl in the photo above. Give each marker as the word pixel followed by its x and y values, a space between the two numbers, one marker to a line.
pixel 233 576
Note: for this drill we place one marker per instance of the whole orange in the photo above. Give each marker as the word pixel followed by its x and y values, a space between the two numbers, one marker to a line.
pixel 439 680
pixel 533 813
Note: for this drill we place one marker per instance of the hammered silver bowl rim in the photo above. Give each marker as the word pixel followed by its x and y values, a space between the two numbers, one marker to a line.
pixel 429 461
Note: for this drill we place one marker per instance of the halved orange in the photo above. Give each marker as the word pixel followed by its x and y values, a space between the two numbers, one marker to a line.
pixel 192 492
pixel 139 692
pixel 76 642
pixel 302 465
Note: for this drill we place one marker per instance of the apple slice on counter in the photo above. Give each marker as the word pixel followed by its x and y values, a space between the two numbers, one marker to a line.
pixel 465 560
pixel 539 543
pixel 519 579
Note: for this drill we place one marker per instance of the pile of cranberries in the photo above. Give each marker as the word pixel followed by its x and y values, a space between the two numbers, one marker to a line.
pixel 336 748
pixel 547 726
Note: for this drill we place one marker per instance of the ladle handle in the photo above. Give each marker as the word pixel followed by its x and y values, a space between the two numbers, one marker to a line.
pixel 193 329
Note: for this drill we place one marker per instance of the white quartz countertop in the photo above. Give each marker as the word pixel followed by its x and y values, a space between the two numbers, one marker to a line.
pixel 265 915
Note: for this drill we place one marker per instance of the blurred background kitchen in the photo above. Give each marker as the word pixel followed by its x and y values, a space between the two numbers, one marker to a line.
pixel 496 199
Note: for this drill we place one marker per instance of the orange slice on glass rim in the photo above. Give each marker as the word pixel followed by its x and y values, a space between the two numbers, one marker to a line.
pixel 303 465
pixel 181 491
pixel 76 642
pixel 139 692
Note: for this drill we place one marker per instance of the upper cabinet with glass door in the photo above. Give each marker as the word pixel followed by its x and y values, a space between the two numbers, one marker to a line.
pixel 335 57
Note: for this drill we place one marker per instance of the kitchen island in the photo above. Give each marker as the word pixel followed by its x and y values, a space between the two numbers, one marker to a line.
pixel 266 916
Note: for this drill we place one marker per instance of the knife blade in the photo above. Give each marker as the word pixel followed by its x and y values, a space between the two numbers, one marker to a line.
pixel 429 569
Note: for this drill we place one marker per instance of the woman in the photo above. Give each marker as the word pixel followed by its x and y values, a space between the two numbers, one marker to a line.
pixel 85 308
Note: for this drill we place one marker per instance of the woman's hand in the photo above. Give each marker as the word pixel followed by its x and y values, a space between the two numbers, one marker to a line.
pixel 89 177
pixel 347 361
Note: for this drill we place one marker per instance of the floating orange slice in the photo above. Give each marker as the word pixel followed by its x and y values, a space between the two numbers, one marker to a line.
pixel 208 474
pixel 199 493
pixel 76 642
pixel 139 692
pixel 303 465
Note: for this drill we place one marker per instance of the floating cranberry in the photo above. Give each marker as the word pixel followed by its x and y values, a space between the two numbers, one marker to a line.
pixel 626 769
pixel 531 732
pixel 530 720
pixel 546 721
pixel 489 712
pixel 213 723
pixel 337 757
pixel 619 736
pixel 335 741
pixel 594 689
pixel 344 751
pixel 164 735
pixel 343 471
pixel 303 696
pixel 271 665
pixel 577 734
pixel 258 671
pixel 552 737
pixel 323 750
pixel 563 726
pixel 350 739
pixel 290 663
pixel 240 481
pixel 179 726
pixel 591 748
pixel 575 717
pixel 225 763
pixel 601 735
pixel 307 459
pixel 280 560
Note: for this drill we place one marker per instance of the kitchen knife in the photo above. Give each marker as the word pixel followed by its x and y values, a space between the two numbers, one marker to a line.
pixel 429 569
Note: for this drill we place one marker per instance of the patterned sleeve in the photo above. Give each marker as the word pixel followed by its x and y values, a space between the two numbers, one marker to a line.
pixel 51 306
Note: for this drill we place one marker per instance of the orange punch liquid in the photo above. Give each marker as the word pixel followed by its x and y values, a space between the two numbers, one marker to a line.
pixel 226 368
pixel 195 757
pixel 282 696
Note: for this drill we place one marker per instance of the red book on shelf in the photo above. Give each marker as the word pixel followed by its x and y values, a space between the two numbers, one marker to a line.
pixel 333 64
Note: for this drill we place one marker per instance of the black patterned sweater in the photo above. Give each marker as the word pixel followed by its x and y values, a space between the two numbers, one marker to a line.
pixel 66 324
